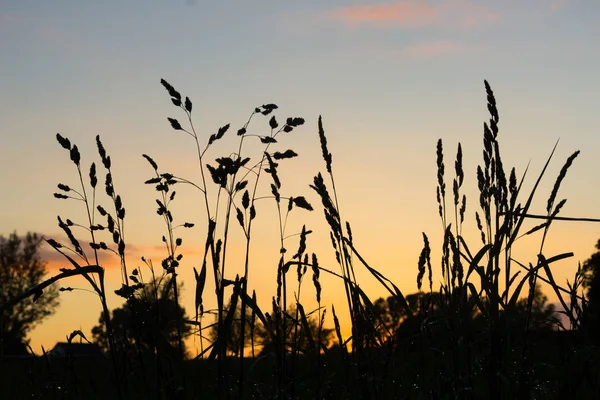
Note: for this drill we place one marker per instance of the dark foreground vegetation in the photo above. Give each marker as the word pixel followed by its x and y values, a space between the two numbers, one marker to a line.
pixel 560 368
pixel 484 332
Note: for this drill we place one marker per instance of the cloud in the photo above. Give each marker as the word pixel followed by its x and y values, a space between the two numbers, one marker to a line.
pixel 44 30
pixel 466 14
pixel 7 20
pixel 469 14
pixel 426 50
pixel 106 259
pixel 557 5
pixel 57 261
pixel 407 14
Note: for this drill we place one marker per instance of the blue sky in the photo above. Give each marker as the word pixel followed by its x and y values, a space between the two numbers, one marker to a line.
pixel 389 78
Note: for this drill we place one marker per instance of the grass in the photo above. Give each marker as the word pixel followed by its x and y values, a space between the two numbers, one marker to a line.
pixel 470 337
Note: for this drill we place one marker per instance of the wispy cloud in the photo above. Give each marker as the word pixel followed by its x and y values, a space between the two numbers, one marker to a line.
pixel 43 30
pixel 106 259
pixel 407 14
pixel 557 5
pixel 469 14
pixel 7 20
pixel 56 261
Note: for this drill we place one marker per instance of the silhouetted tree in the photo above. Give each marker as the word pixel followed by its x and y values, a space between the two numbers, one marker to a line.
pixel 295 335
pixel 148 320
pixel 543 315
pixel 591 314
pixel 393 320
pixel 257 334
pixel 390 314
pixel 234 333
pixel 20 269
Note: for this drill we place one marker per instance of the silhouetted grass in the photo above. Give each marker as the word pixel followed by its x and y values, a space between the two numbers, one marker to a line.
pixel 473 336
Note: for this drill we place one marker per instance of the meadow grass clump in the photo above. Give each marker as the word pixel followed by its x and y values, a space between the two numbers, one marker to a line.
pixel 485 353
pixel 479 332
pixel 466 341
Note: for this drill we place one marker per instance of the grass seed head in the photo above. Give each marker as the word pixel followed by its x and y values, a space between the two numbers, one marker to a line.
pixel 559 179
pixel 64 142
pixel 460 175
pixel 316 274
pixel 326 154
pixel 440 168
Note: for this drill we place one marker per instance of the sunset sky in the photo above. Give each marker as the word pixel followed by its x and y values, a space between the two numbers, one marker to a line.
pixel 389 79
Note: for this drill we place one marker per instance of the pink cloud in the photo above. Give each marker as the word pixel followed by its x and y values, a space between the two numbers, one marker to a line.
pixel 41 29
pixel 11 21
pixel 106 259
pixel 9 18
pixel 469 14
pixel 408 14
pixel 557 5
pixel 465 14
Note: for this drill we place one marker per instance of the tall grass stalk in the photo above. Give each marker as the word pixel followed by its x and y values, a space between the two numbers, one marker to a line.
pixel 91 228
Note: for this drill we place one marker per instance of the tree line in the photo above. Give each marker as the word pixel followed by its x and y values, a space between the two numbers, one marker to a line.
pixel 148 320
